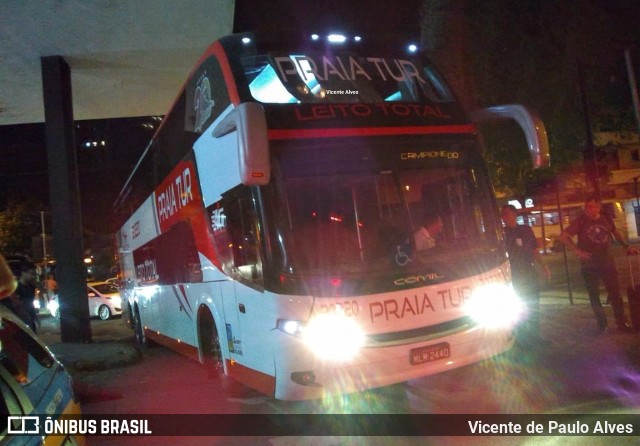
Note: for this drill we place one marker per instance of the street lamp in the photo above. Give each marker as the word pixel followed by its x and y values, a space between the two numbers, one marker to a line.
pixel 44 239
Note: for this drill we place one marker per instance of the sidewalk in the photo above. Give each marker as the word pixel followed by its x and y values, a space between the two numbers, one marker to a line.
pixel 106 351
pixel 101 355
pixel 558 297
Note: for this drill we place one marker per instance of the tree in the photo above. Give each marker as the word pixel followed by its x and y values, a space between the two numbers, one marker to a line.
pixel 519 51
pixel 18 224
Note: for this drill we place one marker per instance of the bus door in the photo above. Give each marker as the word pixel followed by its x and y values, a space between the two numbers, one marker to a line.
pixel 237 238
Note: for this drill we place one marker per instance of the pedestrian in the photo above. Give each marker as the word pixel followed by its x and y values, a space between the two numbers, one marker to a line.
pixel 26 294
pixel 595 231
pixel 522 248
pixel 51 286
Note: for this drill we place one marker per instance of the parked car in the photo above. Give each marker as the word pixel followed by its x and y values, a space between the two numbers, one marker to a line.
pixel 32 382
pixel 104 301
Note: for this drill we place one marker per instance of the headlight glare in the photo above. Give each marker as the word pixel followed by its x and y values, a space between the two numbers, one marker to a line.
pixel 53 306
pixel 334 336
pixel 495 306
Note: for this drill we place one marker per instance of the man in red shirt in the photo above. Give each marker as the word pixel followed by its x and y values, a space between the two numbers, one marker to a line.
pixel 595 231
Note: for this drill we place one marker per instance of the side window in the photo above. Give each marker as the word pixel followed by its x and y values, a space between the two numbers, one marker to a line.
pixel 177 256
pixel 236 233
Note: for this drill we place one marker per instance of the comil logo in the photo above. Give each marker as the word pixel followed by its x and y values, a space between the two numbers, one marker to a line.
pixel 23 425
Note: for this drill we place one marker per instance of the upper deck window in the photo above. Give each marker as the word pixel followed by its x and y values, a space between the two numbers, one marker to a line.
pixel 342 77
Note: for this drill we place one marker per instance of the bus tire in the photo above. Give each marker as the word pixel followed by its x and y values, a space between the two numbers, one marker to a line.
pixel 128 316
pixel 138 329
pixel 210 343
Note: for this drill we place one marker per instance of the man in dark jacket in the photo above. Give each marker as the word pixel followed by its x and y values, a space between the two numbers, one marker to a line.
pixel 26 293
pixel 522 248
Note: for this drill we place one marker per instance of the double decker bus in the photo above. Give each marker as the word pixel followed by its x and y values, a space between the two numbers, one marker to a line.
pixel 267 230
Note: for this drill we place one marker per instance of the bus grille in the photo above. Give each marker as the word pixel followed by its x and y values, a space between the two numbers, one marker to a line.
pixel 419 334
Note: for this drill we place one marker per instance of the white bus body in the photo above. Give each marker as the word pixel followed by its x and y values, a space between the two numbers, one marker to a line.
pixel 268 226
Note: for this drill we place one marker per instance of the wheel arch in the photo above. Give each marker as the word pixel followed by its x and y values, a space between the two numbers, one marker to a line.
pixel 207 320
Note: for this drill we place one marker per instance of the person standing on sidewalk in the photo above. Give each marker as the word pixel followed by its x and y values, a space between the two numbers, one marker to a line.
pixel 51 286
pixel 26 294
pixel 595 231
pixel 522 248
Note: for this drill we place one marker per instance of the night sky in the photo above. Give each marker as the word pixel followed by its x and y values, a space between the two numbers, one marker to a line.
pixel 102 170
pixel 386 20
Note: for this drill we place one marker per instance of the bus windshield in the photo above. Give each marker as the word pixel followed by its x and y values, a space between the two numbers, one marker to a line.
pixel 342 77
pixel 355 210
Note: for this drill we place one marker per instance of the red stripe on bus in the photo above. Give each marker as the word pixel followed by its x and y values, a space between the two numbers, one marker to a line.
pixel 182 348
pixel 263 383
pixel 370 131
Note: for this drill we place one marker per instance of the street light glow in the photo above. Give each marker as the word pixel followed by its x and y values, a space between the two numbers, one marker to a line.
pixel 336 38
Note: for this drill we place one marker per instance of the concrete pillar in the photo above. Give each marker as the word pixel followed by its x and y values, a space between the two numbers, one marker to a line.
pixel 65 200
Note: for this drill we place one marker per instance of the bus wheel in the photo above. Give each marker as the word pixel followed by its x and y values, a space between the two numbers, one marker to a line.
pixel 210 341
pixel 138 329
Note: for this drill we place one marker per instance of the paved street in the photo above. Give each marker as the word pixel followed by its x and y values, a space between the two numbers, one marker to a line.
pixel 581 372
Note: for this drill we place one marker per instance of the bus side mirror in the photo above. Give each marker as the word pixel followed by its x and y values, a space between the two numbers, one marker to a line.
pixel 531 125
pixel 249 121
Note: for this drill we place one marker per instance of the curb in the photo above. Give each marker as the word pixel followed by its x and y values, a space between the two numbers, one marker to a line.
pixel 95 356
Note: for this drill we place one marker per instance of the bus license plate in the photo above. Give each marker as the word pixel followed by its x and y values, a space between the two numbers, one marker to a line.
pixel 430 353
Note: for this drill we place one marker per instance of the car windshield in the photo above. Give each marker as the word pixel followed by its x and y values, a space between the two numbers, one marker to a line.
pixel 105 288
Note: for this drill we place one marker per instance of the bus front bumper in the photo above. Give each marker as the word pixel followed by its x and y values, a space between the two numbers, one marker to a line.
pixel 301 375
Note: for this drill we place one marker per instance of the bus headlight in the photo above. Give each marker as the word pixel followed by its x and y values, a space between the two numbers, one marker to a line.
pixel 332 336
pixel 294 328
pixel 495 306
